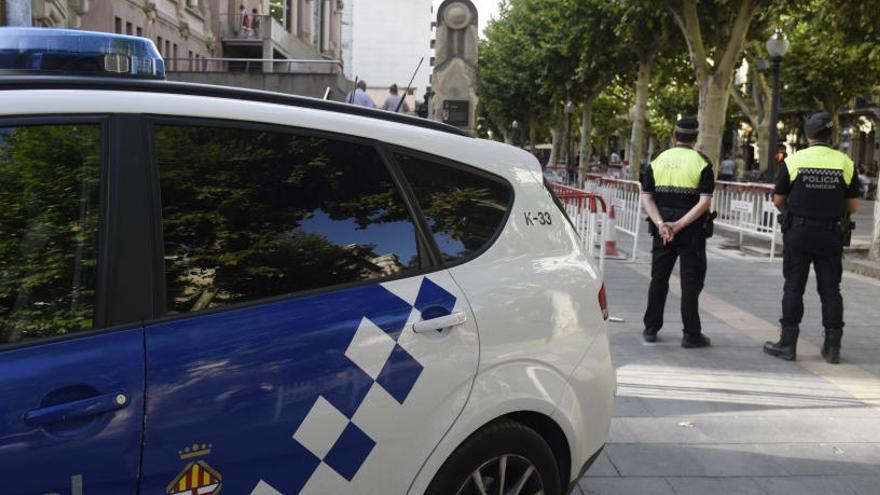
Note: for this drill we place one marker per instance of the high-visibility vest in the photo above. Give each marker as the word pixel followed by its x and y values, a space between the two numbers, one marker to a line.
pixel 820 176
pixel 678 170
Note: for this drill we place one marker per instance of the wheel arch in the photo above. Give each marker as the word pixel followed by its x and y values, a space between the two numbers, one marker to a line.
pixel 552 433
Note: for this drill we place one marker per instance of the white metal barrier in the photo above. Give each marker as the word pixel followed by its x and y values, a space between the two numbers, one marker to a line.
pixel 623 197
pixel 589 213
pixel 748 209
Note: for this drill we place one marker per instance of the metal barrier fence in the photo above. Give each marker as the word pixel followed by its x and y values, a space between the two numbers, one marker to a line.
pixel 623 196
pixel 748 209
pixel 589 214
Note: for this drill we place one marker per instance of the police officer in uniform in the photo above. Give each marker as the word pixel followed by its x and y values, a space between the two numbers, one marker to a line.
pixel 816 188
pixel 676 193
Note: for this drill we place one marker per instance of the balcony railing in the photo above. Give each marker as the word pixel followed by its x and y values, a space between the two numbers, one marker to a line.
pixel 284 66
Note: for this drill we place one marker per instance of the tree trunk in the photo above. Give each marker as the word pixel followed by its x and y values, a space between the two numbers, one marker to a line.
pixel 637 138
pixel 835 135
pixel 765 154
pixel 557 151
pixel 533 133
pixel 586 148
pixel 714 97
pixel 874 253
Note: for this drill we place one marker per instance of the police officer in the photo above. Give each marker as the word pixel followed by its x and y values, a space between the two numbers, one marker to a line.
pixel 815 189
pixel 676 193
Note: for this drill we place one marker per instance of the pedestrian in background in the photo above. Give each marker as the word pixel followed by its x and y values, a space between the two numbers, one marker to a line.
pixel 676 194
pixel 245 21
pixel 360 97
pixel 815 189
pixel 392 101
pixel 255 23
pixel 727 169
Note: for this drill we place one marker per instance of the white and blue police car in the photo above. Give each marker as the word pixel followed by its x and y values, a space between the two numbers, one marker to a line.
pixel 208 289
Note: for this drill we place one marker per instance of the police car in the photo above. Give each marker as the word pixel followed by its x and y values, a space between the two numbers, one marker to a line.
pixel 211 289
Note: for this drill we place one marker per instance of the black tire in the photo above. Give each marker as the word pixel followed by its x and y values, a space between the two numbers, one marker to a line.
pixel 518 444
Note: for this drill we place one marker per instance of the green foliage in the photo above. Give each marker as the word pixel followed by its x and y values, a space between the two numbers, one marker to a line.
pixel 49 211
pixel 834 56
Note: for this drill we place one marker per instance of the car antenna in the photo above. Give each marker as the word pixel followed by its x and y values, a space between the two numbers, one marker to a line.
pixel 408 86
pixel 327 93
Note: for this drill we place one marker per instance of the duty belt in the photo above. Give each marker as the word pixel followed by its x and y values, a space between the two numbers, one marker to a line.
pixel 815 222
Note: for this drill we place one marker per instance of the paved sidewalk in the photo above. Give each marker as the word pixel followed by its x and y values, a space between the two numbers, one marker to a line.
pixel 730 420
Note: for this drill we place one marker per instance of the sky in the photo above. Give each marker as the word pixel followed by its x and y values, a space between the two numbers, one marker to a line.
pixel 486 9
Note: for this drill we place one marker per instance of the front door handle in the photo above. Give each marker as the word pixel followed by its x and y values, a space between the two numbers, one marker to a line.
pixel 435 324
pixel 76 410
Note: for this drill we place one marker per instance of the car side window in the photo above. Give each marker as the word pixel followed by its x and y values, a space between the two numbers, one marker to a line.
pixel 49 218
pixel 464 208
pixel 251 214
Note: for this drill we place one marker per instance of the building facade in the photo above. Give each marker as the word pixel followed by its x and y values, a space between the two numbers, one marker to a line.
pixel 384 41
pixel 189 30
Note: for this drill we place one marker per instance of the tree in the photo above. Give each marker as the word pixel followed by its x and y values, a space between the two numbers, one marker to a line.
pixel 755 103
pixel 602 56
pixel 509 77
pixel 715 37
pixel 647 28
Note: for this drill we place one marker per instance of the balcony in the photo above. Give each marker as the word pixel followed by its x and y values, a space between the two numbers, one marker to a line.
pixel 263 35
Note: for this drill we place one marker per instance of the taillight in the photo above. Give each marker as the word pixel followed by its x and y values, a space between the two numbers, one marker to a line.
pixel 603 302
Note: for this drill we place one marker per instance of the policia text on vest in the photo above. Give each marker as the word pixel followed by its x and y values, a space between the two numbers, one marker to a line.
pixel 817 188
pixel 676 193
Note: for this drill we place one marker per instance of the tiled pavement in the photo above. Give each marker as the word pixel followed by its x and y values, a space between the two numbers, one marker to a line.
pixel 730 420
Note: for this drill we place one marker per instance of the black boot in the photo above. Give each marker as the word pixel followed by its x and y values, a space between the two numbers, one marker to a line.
pixel 695 341
pixel 786 348
pixel 831 347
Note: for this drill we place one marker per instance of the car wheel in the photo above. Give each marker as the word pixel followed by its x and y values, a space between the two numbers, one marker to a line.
pixel 504 458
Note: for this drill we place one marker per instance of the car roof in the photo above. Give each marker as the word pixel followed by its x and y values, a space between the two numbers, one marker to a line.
pixel 12 82
pixel 51 95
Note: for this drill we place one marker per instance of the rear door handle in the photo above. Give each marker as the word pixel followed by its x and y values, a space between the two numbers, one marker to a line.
pixel 76 410
pixel 435 324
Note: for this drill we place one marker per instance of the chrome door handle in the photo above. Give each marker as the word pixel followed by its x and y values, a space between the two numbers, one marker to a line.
pixel 435 324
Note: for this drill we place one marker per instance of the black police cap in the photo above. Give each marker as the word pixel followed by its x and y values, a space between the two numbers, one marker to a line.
pixel 817 123
pixel 687 125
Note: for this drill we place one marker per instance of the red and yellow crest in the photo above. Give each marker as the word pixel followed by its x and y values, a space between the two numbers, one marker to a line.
pixel 197 478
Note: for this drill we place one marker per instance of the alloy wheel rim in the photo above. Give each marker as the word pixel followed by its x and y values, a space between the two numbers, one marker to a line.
pixel 506 474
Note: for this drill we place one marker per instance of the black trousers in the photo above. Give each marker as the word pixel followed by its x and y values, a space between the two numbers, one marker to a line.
pixel 823 247
pixel 690 246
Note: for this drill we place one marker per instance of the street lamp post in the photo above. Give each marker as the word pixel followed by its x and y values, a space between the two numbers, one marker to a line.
pixel 777 47
pixel 569 111
pixel 514 125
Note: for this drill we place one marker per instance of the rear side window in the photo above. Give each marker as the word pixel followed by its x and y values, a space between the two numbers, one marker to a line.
pixel 464 208
pixel 250 214
pixel 49 210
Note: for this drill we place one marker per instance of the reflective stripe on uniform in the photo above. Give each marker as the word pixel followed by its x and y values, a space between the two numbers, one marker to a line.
pixel 678 170
pixel 820 158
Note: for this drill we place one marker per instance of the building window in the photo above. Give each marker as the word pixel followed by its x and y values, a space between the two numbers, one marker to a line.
pixel 167 48
pixel 159 45
pixel 174 56
pixel 139 31
pixel 117 26
pixel 128 28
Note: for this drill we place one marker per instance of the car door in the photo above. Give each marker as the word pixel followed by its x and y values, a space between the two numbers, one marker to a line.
pixel 311 344
pixel 71 371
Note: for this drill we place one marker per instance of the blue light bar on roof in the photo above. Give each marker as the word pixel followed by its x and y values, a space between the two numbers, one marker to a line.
pixel 68 51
